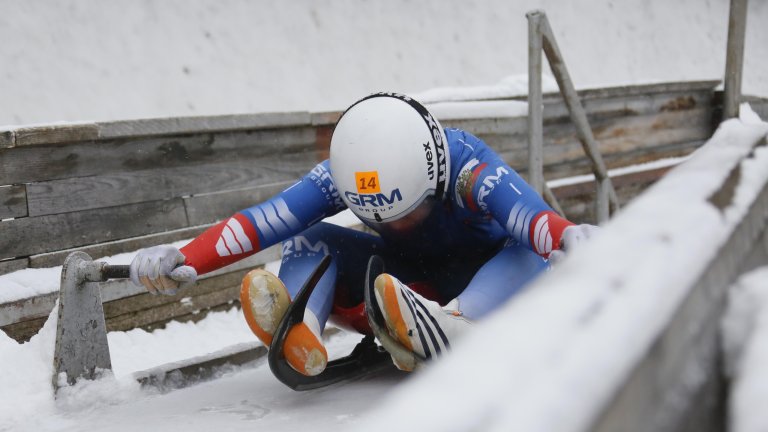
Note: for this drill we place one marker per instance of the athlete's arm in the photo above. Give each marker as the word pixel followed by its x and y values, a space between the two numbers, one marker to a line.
pixel 487 184
pixel 291 211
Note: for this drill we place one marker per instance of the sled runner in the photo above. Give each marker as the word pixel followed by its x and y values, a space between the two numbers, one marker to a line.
pixel 366 359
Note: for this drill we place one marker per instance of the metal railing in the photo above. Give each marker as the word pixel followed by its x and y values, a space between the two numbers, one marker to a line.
pixel 734 59
pixel 541 38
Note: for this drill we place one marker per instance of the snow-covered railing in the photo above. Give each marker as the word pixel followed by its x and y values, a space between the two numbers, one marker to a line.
pixel 624 334
pixel 745 347
pixel 112 188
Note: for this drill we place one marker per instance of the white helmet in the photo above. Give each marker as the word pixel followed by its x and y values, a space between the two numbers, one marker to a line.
pixel 388 154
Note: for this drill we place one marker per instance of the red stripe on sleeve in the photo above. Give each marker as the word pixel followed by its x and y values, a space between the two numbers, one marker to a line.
pixel 218 245
pixel 546 231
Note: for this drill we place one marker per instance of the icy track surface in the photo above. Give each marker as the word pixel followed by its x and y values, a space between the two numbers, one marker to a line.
pixel 247 398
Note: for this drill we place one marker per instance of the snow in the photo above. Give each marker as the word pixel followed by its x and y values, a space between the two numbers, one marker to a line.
pixel 89 60
pixel 508 87
pixel 173 343
pixel 143 59
pixel 587 308
pixel 242 398
pixel 745 339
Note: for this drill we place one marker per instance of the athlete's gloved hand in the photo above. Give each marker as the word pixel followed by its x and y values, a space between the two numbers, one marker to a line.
pixel 160 270
pixel 573 236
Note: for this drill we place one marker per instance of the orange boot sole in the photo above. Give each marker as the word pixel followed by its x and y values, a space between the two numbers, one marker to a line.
pixel 265 301
pixel 304 351
pixel 386 289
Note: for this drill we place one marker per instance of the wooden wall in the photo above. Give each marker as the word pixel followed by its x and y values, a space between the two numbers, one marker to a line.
pixel 108 188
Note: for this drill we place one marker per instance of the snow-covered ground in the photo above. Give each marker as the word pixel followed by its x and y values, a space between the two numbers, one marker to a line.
pixel 247 398
pixel 77 60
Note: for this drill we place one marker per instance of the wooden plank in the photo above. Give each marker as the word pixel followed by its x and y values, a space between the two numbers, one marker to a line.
pixel 42 163
pixel 155 152
pixel 624 91
pixel 107 190
pixel 13 201
pixel 607 106
pixel 188 125
pixel 631 133
pixel 326 118
pixel 34 235
pixel 645 89
pixel 10 266
pixel 55 134
pixel 207 208
pixel 632 136
pixel 579 199
pixel 193 317
pixel 582 165
pixel 22 318
pixel 515 126
pixel 7 139
pixel 165 312
pixel 23 331
pixel 636 105
pixel 53 259
pixel 145 300
pixel 610 112
pixel 39 306
pixel 148 319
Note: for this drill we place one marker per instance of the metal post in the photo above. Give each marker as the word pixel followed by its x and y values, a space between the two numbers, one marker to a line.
pixel 578 115
pixel 550 199
pixel 81 349
pixel 602 211
pixel 535 104
pixel 734 60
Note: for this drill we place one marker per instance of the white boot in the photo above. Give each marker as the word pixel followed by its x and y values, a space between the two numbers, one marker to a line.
pixel 420 325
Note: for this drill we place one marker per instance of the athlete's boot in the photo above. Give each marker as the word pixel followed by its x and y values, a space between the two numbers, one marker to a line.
pixel 420 325
pixel 265 301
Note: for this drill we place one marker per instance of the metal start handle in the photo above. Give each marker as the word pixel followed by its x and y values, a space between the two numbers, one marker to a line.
pixel 95 271
pixel 116 271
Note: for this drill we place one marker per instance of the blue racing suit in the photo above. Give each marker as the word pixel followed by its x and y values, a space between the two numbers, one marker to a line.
pixel 481 243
